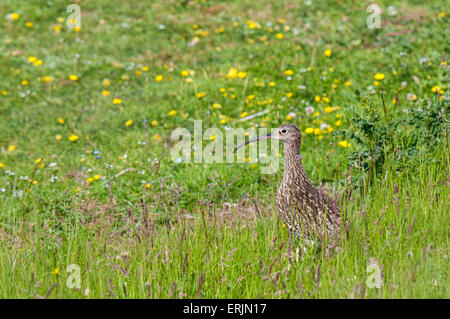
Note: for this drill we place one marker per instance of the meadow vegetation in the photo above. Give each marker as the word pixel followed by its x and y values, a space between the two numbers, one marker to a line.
pixel 86 175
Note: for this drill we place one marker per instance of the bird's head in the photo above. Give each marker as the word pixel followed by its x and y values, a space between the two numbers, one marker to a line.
pixel 287 133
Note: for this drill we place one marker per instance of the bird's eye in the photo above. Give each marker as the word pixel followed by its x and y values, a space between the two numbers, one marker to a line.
pixel 283 131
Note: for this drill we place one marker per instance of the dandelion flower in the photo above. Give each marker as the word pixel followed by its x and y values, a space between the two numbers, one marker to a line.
pixel 97 177
pixel 117 101
pixel 232 73
pixel 61 121
pixel 106 93
pixel 344 144
pixel 309 130
pixel 47 79
pixel 154 123
pixel 327 52
pixel 172 113
pixel 147 186
pixel 379 76
pixel 288 72
pixel 13 16
pixel 73 138
pixel 159 78
pixel 348 83
pixel 129 123
pixel 201 94
pixel 2 165
pixel 73 77
pixel 242 75
pixel 58 137
pixel 56 271
pixel 279 36
pixel 11 148
pixel 32 59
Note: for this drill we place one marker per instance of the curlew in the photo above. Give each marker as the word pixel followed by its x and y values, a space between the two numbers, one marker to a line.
pixel 307 211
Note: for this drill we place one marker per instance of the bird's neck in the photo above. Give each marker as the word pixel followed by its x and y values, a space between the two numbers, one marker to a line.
pixel 293 168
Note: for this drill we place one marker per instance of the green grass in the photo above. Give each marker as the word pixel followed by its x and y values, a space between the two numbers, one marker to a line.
pixel 179 238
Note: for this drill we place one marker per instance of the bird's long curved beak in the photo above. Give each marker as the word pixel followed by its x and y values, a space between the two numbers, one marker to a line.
pixel 255 139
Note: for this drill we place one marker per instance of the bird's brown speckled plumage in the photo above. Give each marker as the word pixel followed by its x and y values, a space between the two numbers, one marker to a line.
pixel 306 210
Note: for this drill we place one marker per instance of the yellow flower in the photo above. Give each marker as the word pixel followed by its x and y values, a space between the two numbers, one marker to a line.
pixel 156 137
pixel 154 123
pixel 437 89
pixel 271 83
pixel 58 137
pixel 172 113
pixel 73 137
pixel 279 36
pixel 289 95
pixel 13 16
pixel 73 77
pixel 326 99
pixel 24 82
pixel 309 130
pixel 129 122
pixel 57 28
pixel 38 63
pixel 288 72
pixel 442 14
pixel 184 73
pixel 28 24
pixel 289 117
pixel 244 114
pixel 216 106
pixel 212 138
pixel 317 98
pixel 376 83
pixel 106 93
pixel 61 121
pixel 242 75
pixel 144 68
pixel 159 78
pixel 117 101
pixel 138 72
pixel 89 180
pixel 38 160
pixel 317 131
pixel 344 144
pixel 201 94
pixel 232 73
pixel 97 177
pixel 106 82
pixel 47 78
pixel 2 165
pixel 148 186
pixel 32 59
pixel 56 271
pixel 348 83
pixel 11 148
pixel 379 76
pixel 338 123
pixel 327 52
